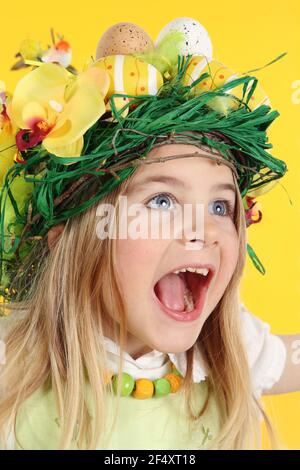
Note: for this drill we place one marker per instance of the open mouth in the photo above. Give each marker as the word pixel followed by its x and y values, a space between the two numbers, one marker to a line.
pixel 182 293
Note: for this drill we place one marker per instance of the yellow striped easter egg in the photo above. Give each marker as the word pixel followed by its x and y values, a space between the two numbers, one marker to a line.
pixel 130 75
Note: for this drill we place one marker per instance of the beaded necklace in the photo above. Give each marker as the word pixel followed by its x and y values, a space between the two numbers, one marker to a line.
pixel 144 388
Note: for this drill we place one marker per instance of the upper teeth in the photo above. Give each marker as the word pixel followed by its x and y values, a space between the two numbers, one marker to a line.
pixel 203 271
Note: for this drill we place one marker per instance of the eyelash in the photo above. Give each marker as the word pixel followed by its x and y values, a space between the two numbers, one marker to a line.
pixel 229 207
pixel 228 204
pixel 162 194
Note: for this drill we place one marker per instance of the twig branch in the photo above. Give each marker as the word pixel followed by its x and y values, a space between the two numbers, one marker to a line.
pixel 132 161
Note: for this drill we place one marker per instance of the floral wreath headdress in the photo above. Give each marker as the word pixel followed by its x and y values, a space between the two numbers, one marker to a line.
pixel 63 131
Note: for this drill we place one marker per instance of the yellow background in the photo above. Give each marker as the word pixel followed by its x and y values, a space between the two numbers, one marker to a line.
pixel 245 35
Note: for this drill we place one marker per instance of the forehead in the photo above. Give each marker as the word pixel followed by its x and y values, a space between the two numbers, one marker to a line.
pixel 186 166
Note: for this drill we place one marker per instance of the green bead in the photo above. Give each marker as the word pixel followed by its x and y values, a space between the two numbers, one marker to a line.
pixel 162 387
pixel 127 384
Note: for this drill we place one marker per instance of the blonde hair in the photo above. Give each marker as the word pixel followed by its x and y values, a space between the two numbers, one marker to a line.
pixel 56 339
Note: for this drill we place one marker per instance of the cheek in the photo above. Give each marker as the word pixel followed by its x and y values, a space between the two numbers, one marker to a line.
pixel 231 249
pixel 136 262
pixel 229 254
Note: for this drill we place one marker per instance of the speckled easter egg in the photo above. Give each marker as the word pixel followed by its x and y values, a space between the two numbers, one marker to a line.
pixel 197 40
pixel 124 38
pixel 219 75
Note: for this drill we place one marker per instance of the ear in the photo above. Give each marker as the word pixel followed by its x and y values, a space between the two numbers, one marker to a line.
pixel 53 234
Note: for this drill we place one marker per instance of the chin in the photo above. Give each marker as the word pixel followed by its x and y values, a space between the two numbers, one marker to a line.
pixel 175 346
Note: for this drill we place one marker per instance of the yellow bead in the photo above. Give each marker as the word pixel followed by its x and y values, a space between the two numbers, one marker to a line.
pixel 175 381
pixel 144 388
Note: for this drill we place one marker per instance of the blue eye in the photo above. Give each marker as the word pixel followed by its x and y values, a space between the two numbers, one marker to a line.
pixel 163 201
pixel 222 208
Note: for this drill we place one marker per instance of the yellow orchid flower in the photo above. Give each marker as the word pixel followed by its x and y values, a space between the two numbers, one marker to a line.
pixel 7 134
pixel 8 155
pixel 264 188
pixel 53 106
pixel 31 49
pixel 7 149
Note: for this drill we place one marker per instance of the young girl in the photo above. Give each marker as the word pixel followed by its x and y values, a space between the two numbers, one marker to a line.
pixel 136 341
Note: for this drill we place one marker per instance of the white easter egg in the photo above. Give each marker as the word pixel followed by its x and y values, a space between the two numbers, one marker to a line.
pixel 197 40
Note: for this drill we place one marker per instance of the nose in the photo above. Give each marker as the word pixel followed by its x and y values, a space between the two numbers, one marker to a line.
pixel 199 232
pixel 211 232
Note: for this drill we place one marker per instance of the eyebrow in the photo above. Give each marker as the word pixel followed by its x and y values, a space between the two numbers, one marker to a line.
pixel 172 180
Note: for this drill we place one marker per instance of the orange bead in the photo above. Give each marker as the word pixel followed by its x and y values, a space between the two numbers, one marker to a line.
pixel 175 381
pixel 107 376
pixel 175 371
pixel 144 388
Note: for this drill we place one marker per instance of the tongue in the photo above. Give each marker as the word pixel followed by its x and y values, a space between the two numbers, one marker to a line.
pixel 170 290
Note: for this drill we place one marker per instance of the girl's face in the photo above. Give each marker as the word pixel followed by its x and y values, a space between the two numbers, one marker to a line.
pixel 167 310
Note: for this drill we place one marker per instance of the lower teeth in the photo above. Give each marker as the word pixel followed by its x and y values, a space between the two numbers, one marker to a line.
pixel 188 301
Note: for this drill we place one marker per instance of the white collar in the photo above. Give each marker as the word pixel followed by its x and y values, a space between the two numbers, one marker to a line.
pixel 153 364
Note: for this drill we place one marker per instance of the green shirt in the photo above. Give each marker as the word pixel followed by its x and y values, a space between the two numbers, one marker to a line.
pixel 154 423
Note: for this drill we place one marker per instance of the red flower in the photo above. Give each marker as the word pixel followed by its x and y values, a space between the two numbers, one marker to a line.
pixel 252 211
pixel 28 138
